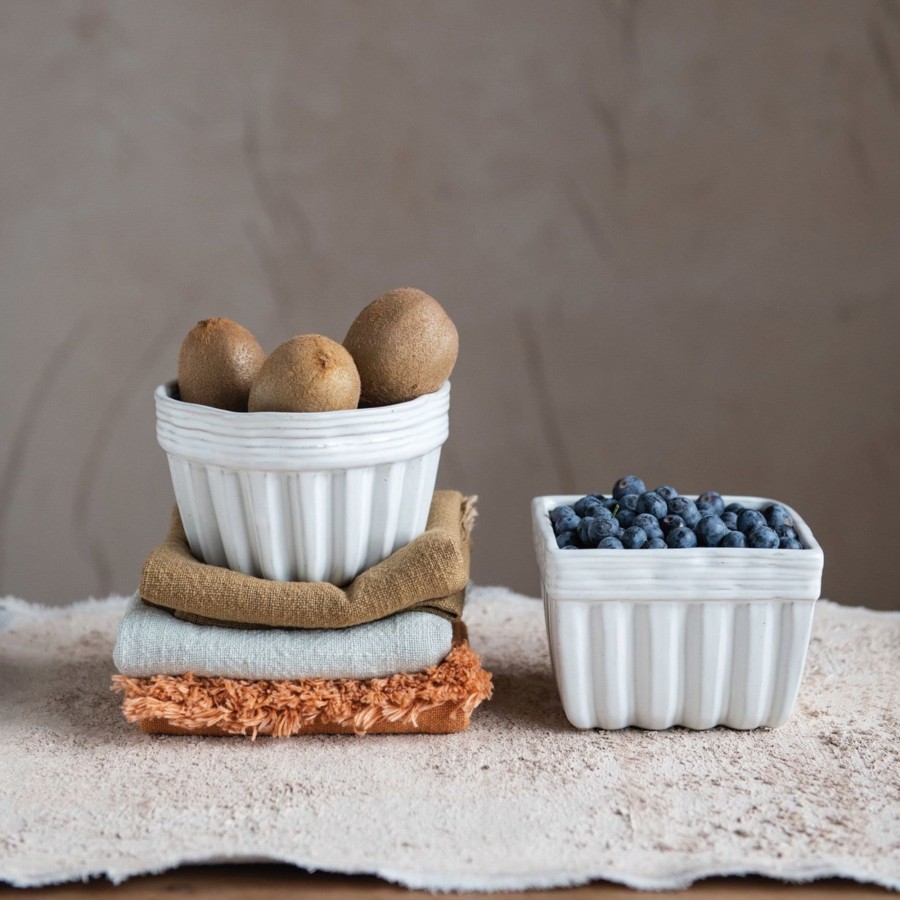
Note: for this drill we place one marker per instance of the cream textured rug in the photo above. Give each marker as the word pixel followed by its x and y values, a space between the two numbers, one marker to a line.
pixel 520 800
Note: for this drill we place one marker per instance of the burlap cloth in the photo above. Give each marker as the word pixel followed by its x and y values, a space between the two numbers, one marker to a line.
pixel 439 700
pixel 429 574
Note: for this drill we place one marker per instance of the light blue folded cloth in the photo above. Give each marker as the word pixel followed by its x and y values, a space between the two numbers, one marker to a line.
pixel 151 641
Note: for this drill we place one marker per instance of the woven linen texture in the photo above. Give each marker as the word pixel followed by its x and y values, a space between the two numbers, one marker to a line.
pixel 151 641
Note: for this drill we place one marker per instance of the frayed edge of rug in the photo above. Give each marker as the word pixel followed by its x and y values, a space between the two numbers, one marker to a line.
pixel 285 708
pixel 447 883
pixel 676 881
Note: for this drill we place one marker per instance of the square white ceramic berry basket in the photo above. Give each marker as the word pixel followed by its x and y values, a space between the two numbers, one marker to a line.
pixel 302 496
pixel 697 637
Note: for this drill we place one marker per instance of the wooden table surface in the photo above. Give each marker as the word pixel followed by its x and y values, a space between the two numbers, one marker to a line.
pixel 228 882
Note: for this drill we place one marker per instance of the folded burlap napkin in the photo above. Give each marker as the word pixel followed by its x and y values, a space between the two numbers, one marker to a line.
pixel 152 641
pixel 439 700
pixel 429 574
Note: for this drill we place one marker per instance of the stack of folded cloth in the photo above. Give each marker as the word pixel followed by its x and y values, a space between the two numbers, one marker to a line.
pixel 207 650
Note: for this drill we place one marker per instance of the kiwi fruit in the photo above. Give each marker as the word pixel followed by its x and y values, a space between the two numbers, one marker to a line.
pixel 404 345
pixel 217 364
pixel 308 373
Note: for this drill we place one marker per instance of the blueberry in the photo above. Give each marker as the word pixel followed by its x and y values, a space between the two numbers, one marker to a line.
pixel 789 543
pixel 763 538
pixel 730 519
pixel 776 515
pixel 667 492
pixel 610 543
pixel 734 507
pixel 634 538
pixel 630 484
pixel 706 509
pixel 625 517
pixel 710 530
pixel 686 508
pixel 680 538
pixel 584 532
pixel 592 530
pixel 650 524
pixel 586 506
pixel 629 501
pixel 569 547
pixel 749 519
pixel 607 526
pixel 590 507
pixel 655 543
pixel 714 499
pixel 784 531
pixel 566 539
pixel 667 523
pixel 559 511
pixel 566 522
pixel 652 503
pixel 733 539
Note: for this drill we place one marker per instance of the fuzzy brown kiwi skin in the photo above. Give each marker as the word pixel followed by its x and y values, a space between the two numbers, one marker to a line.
pixel 217 363
pixel 308 373
pixel 404 345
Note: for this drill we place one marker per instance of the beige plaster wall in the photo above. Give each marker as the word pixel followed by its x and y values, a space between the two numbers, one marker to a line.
pixel 669 234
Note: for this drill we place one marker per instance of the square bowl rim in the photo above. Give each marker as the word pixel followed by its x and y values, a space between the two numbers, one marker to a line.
pixel 541 506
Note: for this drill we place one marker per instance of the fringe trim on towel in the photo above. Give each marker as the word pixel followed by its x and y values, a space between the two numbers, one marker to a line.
pixel 284 708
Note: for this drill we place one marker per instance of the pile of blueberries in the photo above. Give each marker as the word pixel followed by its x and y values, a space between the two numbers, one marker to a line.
pixel 634 518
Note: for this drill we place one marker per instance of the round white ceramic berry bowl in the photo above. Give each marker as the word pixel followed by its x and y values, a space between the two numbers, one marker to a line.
pixel 699 637
pixel 302 496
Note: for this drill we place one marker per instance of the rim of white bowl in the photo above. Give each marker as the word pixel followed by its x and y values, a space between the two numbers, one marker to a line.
pixel 541 507
pixel 696 574
pixel 303 441
pixel 166 394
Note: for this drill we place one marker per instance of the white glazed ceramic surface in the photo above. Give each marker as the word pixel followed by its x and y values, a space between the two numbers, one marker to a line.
pixel 302 496
pixel 697 637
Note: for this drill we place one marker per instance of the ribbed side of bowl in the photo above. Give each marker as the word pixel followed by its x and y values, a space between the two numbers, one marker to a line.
pixel 302 496
pixel 308 525
pixel 696 664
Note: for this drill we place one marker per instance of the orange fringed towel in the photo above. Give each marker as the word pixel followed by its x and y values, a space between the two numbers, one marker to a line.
pixel 439 700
